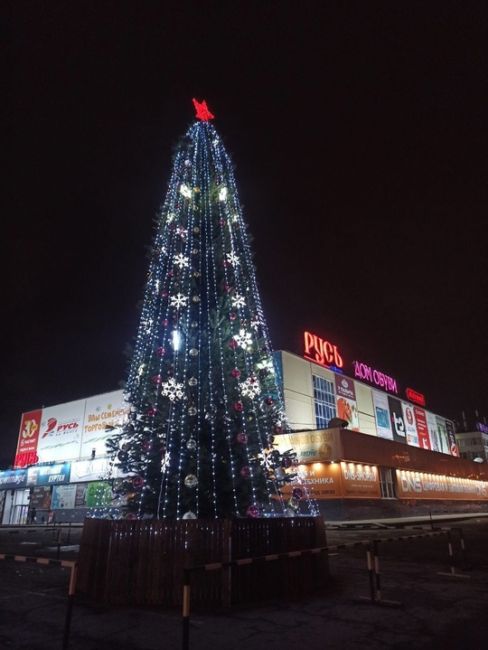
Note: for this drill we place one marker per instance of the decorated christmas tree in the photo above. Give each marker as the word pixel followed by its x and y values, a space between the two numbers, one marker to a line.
pixel 205 399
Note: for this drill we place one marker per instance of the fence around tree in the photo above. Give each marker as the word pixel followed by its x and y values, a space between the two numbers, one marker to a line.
pixel 142 562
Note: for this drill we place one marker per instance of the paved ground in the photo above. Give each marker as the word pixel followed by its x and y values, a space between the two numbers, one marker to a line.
pixel 437 611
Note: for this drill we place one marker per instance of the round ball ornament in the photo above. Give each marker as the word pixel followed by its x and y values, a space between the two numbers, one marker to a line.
pixel 232 344
pixel 137 482
pixel 193 352
pixel 196 298
pixel 191 481
pixel 193 381
pixel 241 438
pixel 151 411
pixel 232 315
pixel 269 401
pixel 196 230
pixel 238 406
pixel 245 472
pixel 236 373
pixel 189 515
pixel 160 351
pixel 156 379
pixel 192 410
pixel 253 512
pixel 191 444
pixel 194 324
pixel 297 493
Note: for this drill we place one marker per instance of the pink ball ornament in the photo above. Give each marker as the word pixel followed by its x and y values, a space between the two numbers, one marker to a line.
pixel 232 344
pixel 151 411
pixel 242 438
pixel 238 406
pixel 245 472
pixel 236 373
pixel 269 401
pixel 160 351
pixel 137 482
pixel 156 379
pixel 165 322
pixel 232 315
pixel 253 512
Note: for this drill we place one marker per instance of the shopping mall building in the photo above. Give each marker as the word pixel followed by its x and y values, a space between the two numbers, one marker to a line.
pixel 367 447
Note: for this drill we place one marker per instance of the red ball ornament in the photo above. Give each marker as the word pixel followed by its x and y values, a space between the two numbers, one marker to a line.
pixel 156 379
pixel 238 406
pixel 137 481
pixel 165 322
pixel 277 429
pixel 269 401
pixel 236 373
pixel 232 344
pixel 242 438
pixel 253 512
pixel 151 411
pixel 160 351
pixel 232 315
pixel 245 472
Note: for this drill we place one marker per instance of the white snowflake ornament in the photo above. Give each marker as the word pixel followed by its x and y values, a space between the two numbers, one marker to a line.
pixel 185 191
pixel 243 339
pixel 178 301
pixel 172 389
pixel 238 300
pixel 233 259
pixel 266 364
pixel 181 261
pixel 250 387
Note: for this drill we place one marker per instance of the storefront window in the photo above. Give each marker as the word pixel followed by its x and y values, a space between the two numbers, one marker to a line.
pixel 324 400
pixel 386 483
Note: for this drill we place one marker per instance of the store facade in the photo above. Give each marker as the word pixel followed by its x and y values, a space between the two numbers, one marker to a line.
pixel 366 447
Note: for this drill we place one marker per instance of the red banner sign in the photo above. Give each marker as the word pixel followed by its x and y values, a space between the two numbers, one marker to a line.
pixel 28 438
pixel 415 397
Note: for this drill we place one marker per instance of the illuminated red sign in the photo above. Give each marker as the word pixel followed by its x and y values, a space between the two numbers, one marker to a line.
pixel 416 398
pixel 320 351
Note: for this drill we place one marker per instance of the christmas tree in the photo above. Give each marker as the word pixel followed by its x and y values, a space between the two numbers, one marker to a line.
pixel 205 400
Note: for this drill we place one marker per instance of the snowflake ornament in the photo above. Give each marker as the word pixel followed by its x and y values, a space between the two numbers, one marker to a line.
pixel 238 300
pixel 223 194
pixel 255 323
pixel 243 339
pixel 181 232
pixel 181 260
pixel 233 259
pixel 266 364
pixel 185 191
pixel 172 389
pixel 178 301
pixel 250 387
pixel 170 217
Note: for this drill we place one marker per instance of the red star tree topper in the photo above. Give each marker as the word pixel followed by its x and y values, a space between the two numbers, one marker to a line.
pixel 202 112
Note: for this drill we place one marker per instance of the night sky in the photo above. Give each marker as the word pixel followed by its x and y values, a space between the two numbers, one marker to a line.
pixel 358 131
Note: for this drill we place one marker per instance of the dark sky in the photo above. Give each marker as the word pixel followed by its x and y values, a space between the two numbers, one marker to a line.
pixel 358 131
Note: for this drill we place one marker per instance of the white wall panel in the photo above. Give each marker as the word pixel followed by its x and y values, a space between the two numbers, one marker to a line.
pixel 299 410
pixel 364 398
pixel 367 424
pixel 296 374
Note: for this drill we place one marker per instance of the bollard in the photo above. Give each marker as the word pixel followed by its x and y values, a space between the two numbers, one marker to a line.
pixel 370 573
pixel 186 610
pixel 69 609
pixel 452 573
pixel 377 569
pixel 58 552
pixel 69 533
pixel 464 558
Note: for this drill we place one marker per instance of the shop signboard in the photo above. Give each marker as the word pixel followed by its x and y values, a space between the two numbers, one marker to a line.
pixel 310 446
pixel 12 479
pixel 422 430
pixel 396 418
pixel 453 448
pixel 382 413
pixel 91 470
pixel 102 411
pixel 419 485
pixel 61 428
pixel 360 481
pixel 435 443
pixel 373 376
pixel 40 497
pixel 48 474
pixel 64 497
pixel 318 480
pixel 346 401
pixel 80 499
pixel 30 424
pixel 411 429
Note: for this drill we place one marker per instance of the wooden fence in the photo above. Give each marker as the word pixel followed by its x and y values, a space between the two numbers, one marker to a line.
pixel 142 562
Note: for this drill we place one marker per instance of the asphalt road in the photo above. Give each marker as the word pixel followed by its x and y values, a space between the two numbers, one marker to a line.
pixel 436 611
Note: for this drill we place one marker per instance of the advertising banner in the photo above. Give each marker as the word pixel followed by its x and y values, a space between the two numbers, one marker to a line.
pixel 418 485
pixel 453 448
pixel 60 436
pixel 11 479
pixel 312 446
pixel 442 431
pixel 382 413
pixel 40 498
pixel 396 418
pixel 30 424
pixel 48 474
pixel 64 497
pixel 102 411
pixel 80 499
pixel 91 470
pixel 435 443
pixel 411 429
pixel 320 480
pixel 346 401
pixel 422 430
pixel 360 481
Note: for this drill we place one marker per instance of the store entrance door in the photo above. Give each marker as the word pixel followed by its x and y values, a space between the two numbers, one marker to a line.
pixel 16 507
